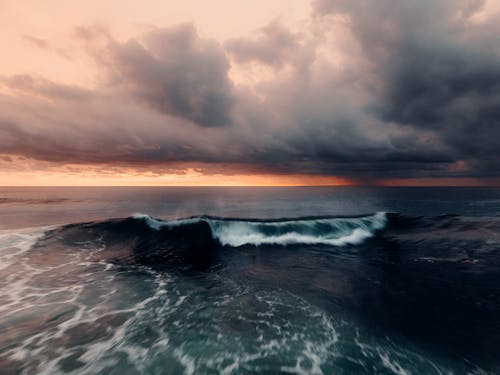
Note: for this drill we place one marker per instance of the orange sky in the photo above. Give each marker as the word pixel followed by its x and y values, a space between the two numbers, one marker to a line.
pixel 188 179
pixel 53 22
pixel 40 39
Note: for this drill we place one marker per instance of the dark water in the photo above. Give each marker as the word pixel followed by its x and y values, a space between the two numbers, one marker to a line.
pixel 250 280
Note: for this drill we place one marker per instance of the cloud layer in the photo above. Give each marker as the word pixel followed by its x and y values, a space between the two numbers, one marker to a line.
pixel 365 90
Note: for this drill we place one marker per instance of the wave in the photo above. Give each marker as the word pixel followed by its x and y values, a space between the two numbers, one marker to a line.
pixel 336 231
pixel 197 243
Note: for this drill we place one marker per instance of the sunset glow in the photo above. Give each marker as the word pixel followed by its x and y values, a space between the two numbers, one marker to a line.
pixel 189 178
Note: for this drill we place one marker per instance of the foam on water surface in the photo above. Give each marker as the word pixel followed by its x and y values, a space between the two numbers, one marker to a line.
pixel 321 231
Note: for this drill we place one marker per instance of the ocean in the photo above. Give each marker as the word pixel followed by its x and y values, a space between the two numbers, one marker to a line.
pixel 245 280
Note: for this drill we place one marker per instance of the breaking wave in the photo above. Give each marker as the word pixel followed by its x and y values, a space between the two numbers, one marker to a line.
pixel 337 231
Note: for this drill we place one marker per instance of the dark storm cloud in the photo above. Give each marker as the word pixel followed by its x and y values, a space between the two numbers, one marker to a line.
pixel 178 73
pixel 439 70
pixel 369 90
pixel 104 128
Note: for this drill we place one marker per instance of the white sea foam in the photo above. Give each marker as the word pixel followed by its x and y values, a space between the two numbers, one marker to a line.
pixel 104 319
pixel 322 231
pixel 15 242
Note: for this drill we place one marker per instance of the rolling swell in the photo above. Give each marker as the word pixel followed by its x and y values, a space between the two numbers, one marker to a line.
pixel 337 231
pixel 197 243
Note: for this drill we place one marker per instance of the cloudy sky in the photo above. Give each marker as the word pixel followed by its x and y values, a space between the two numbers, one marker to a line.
pixel 249 92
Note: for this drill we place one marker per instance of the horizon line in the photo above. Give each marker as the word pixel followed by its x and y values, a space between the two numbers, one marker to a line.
pixel 249 186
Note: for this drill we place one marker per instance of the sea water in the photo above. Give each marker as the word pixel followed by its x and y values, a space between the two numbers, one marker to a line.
pixel 330 280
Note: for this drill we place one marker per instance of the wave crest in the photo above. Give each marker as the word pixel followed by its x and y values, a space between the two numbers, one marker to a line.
pixel 337 231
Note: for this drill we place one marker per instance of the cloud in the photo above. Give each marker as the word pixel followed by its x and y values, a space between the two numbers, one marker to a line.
pixel 273 45
pixel 439 70
pixel 365 90
pixel 27 84
pixel 177 73
pixel 37 42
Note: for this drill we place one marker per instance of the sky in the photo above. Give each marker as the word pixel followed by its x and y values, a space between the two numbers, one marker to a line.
pixel 238 92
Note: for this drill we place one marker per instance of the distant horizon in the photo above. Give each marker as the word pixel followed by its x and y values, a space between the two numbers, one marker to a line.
pixel 258 186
